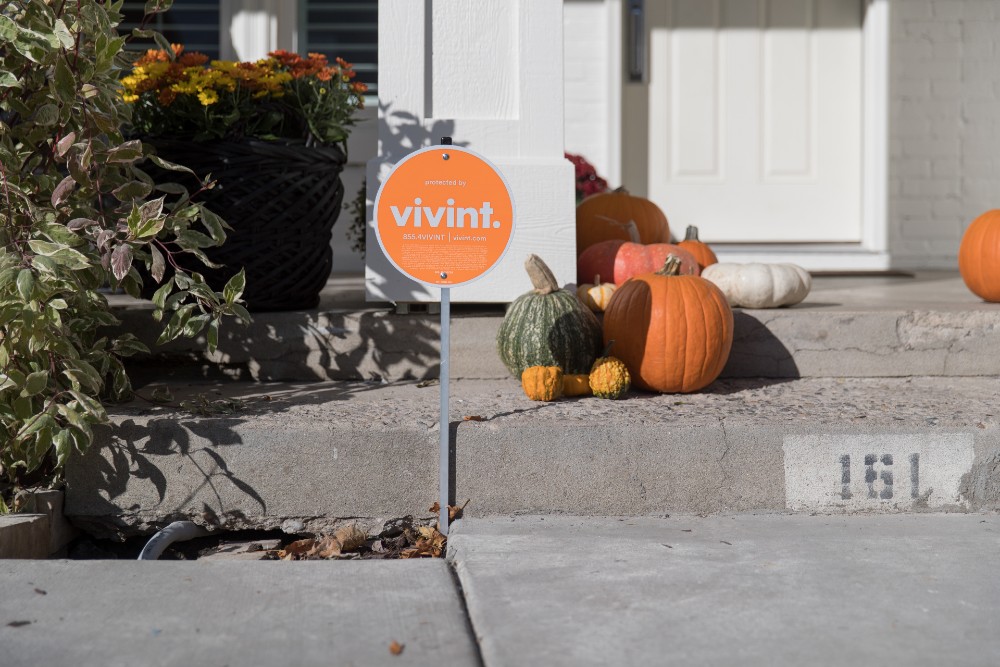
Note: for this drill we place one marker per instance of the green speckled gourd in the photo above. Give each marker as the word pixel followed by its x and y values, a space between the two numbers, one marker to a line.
pixel 548 326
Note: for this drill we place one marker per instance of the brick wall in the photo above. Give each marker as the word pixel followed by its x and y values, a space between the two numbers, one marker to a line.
pixel 944 125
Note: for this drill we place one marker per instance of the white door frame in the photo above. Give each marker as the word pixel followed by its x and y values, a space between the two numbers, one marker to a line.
pixel 872 253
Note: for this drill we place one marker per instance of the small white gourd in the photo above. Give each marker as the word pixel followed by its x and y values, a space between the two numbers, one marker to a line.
pixel 760 285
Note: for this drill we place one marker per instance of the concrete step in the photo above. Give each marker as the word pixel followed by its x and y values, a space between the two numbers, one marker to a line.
pixel 305 456
pixel 890 326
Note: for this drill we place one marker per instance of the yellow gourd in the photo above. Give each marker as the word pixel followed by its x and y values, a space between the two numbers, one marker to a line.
pixel 609 378
pixel 542 383
pixel 576 385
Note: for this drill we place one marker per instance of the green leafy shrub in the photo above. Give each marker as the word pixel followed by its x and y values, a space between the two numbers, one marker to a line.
pixel 77 213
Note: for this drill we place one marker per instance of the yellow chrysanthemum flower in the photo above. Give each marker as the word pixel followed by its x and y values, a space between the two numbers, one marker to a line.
pixel 208 97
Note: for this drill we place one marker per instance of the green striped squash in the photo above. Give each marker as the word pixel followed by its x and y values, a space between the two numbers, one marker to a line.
pixel 548 326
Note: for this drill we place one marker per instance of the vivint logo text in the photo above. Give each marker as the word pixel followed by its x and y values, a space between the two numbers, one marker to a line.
pixel 460 217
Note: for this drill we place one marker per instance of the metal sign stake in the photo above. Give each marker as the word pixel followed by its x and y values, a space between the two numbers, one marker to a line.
pixel 444 217
pixel 445 426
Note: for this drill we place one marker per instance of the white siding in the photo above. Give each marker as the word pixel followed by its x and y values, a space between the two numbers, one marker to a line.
pixel 361 147
pixel 944 125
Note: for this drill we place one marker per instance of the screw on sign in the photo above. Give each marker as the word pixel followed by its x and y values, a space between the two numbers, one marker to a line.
pixel 444 217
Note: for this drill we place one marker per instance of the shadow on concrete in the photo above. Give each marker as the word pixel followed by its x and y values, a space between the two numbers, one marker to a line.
pixel 336 344
pixel 154 439
pixel 757 352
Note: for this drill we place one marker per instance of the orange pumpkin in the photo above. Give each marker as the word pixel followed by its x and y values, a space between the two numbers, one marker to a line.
pixel 979 256
pixel 700 250
pixel 619 215
pixel 619 260
pixel 673 332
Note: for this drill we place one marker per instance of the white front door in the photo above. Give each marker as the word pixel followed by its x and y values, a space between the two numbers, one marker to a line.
pixel 749 122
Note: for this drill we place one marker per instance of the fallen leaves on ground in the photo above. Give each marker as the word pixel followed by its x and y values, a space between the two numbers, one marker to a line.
pixel 349 542
pixel 454 511
pixel 429 543
pixel 345 539
pixel 474 418
pixel 396 648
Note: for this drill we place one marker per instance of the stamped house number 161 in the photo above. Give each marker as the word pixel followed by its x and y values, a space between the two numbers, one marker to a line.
pixel 875 471
pixel 878 475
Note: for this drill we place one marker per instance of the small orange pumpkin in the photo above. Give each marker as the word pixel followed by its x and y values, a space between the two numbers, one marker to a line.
pixel 607 216
pixel 674 332
pixel 979 256
pixel 595 295
pixel 700 250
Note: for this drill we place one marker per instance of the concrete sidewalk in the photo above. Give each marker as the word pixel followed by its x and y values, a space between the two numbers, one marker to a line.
pixel 235 614
pixel 745 590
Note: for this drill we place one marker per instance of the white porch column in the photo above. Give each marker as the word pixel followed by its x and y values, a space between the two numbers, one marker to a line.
pixel 489 74
pixel 250 29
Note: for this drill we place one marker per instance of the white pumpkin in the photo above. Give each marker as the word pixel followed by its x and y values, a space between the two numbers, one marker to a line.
pixel 760 285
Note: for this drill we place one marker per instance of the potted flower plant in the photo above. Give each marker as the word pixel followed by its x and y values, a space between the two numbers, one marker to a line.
pixel 272 134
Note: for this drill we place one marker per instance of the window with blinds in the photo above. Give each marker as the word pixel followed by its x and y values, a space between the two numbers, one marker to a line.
pixel 193 23
pixel 343 28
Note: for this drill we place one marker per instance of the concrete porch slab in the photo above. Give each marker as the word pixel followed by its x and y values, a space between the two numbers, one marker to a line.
pixel 169 613
pixel 305 457
pixel 890 326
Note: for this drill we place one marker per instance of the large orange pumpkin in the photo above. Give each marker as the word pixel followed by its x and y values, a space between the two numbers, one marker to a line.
pixel 620 260
pixel 673 332
pixel 619 215
pixel 979 256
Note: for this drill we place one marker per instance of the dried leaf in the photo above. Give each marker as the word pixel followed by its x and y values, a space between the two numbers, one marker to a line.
pixel 297 548
pixel 454 511
pixel 346 538
pixel 428 544
pixel 324 547
pixel 350 537
pixel 396 648
pixel 474 418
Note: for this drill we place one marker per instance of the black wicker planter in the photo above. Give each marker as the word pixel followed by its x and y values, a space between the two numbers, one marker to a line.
pixel 281 201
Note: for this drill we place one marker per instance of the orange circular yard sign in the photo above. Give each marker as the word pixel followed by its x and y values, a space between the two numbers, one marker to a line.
pixel 444 216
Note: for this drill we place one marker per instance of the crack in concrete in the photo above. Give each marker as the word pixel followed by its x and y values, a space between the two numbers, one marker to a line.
pixel 464 603
pixel 725 452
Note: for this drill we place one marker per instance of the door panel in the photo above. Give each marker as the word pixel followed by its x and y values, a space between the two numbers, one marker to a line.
pixel 753 119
